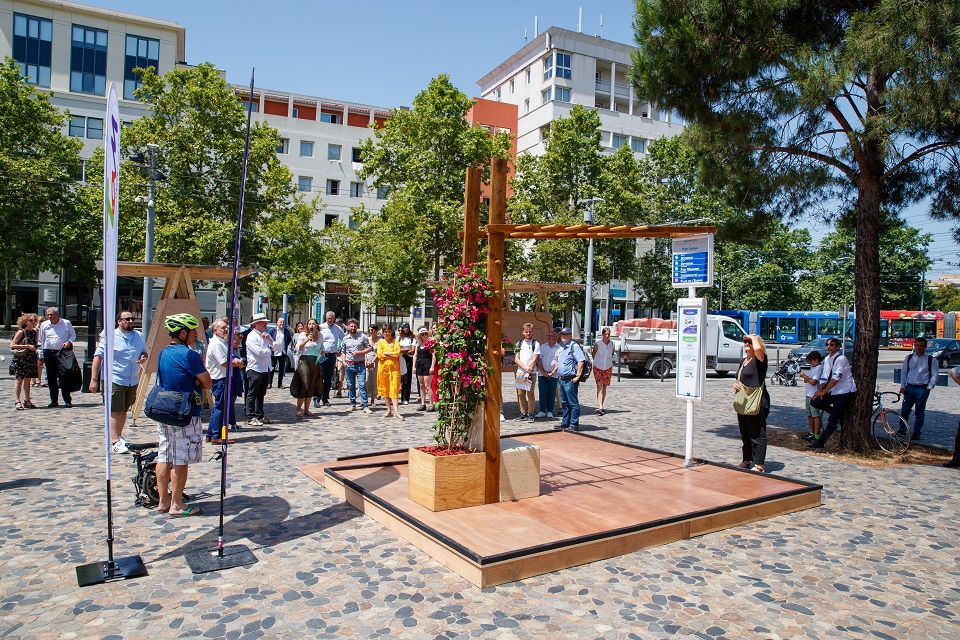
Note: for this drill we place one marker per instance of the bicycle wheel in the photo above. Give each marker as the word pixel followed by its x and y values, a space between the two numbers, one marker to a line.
pixel 891 432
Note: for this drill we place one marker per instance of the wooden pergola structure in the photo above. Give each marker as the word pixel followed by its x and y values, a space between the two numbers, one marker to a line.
pixel 496 232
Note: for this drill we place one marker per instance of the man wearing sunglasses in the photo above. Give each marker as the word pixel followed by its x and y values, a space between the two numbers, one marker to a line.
pixel 837 390
pixel 129 353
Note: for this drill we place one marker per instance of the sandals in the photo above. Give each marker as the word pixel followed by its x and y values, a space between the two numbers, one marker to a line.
pixel 189 511
pixel 759 469
pixel 18 405
pixel 29 404
pixel 299 413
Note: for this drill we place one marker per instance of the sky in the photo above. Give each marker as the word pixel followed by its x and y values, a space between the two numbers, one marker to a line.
pixel 383 53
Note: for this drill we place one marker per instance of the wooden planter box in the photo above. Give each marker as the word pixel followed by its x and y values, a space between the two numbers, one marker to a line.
pixel 446 482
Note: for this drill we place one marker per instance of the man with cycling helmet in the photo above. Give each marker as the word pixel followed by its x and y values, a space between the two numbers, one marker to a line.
pixel 180 368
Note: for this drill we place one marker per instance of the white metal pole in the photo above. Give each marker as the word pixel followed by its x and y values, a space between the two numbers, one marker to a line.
pixel 688 455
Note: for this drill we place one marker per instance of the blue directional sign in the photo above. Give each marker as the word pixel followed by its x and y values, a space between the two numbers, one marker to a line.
pixel 693 261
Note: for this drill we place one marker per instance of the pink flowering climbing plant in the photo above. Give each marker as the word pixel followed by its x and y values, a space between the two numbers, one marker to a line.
pixel 460 350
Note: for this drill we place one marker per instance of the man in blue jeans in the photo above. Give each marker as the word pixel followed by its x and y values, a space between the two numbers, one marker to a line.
pixel 356 346
pixel 571 360
pixel 917 378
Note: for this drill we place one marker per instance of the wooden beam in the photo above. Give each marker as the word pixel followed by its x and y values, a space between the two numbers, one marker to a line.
pixel 491 410
pixel 471 214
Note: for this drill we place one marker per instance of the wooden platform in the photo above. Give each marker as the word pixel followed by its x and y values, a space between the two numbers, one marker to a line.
pixel 599 499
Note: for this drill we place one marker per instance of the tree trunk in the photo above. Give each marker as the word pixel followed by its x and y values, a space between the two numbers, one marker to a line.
pixel 856 432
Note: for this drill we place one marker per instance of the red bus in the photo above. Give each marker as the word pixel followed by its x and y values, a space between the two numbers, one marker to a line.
pixel 899 328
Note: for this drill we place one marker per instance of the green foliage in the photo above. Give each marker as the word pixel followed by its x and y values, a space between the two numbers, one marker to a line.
pixel 421 155
pixel 794 104
pixel 43 227
pixel 944 298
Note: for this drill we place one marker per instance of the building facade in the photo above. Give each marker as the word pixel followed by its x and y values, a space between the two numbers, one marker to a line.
pixel 561 68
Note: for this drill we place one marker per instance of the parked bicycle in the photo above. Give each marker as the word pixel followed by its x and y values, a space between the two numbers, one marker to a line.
pixel 890 431
pixel 145 481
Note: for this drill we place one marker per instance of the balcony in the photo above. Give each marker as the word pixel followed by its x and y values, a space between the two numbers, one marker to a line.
pixel 621 89
pixel 602 85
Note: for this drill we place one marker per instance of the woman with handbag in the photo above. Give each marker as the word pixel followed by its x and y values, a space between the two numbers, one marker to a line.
pixel 306 377
pixel 388 371
pixel 24 347
pixel 748 400
pixel 408 347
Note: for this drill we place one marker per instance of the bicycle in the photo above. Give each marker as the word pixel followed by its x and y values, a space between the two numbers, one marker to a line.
pixel 890 431
pixel 145 481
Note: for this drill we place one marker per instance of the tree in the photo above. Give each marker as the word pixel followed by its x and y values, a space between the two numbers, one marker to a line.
pixel 795 102
pixel 945 298
pixel 37 165
pixel 200 128
pixel 421 156
pixel 903 259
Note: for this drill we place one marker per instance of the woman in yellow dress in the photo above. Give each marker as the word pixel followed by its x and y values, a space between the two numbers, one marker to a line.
pixel 388 371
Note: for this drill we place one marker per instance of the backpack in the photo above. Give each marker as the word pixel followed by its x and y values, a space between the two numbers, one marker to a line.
pixel 587 362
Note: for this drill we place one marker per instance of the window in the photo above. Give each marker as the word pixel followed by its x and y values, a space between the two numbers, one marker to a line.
pixel 296 112
pixel 330 220
pixel 732 330
pixel 356 189
pixel 32 44
pixel 284 147
pixel 95 128
pixel 88 61
pixel 548 67
pixel 527 74
pixel 333 187
pixel 561 94
pixel 639 145
pixel 498 93
pixel 306 149
pixel 78 126
pixel 563 65
pixel 619 141
pixel 526 105
pixel 141 53
pixel 382 193
pixel 305 184
pixel 332 118
pixel 333 152
pixel 512 86
pixel 355 155
pixel 545 95
pixel 254 104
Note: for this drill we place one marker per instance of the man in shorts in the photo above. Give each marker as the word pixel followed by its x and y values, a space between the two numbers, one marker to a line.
pixel 181 369
pixel 129 352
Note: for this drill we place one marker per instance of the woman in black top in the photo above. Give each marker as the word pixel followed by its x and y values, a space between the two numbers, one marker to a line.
pixel 753 429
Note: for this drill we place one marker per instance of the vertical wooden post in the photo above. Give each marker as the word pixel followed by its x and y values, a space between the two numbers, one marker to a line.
pixel 491 412
pixel 471 214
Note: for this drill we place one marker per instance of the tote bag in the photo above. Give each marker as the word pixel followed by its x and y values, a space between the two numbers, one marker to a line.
pixel 746 402
pixel 173 408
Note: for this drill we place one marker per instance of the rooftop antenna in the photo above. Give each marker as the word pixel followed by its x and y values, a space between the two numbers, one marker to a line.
pixel 536 26
pixel 580 21
pixel 601 25
pixel 524 35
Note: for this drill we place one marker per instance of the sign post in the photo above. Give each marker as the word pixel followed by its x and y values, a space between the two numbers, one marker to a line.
pixel 692 268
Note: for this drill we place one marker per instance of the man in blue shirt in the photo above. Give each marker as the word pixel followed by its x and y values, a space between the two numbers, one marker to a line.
pixel 570 359
pixel 129 352
pixel 332 340
pixel 180 368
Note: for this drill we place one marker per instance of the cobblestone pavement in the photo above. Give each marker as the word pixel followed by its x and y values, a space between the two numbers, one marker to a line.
pixel 878 559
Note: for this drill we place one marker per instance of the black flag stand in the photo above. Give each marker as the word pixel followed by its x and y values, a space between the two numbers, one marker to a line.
pixel 236 555
pixel 112 568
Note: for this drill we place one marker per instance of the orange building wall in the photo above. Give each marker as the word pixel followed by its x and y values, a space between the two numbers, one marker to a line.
pixel 358 119
pixel 276 108
pixel 305 112
pixel 499 115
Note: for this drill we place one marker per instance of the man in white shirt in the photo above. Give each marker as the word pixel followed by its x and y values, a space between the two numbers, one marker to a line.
pixel 917 378
pixel 220 364
pixel 332 336
pixel 837 390
pixel 260 348
pixel 526 360
pixel 548 363
pixel 56 334
pixel 129 353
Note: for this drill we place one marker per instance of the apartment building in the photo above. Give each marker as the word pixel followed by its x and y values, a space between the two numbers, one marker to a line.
pixel 544 79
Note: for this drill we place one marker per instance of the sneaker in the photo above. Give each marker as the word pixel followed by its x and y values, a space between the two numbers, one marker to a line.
pixel 575 427
pixel 353 407
pixel 549 414
pixel 254 423
pixel 236 427
pixel 422 407
pixel 809 437
pixel 266 420
pixel 367 410
pixel 316 402
pixel 120 446
pixel 327 404
pixel 915 436
pixel 541 414
pixel 522 416
pixel 816 444
pixel 530 418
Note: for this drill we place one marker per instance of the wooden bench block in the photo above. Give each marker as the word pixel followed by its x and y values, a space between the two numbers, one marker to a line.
pixel 519 470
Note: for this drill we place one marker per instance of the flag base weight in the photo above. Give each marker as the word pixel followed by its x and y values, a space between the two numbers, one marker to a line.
pixel 119 569
pixel 235 555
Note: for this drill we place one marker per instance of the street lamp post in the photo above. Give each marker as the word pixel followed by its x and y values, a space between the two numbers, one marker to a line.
pixel 588 303
pixel 151 161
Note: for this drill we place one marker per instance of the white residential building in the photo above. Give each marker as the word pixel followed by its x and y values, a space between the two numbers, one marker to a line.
pixel 561 68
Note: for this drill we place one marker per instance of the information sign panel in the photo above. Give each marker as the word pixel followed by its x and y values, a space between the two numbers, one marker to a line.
pixel 691 347
pixel 693 261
